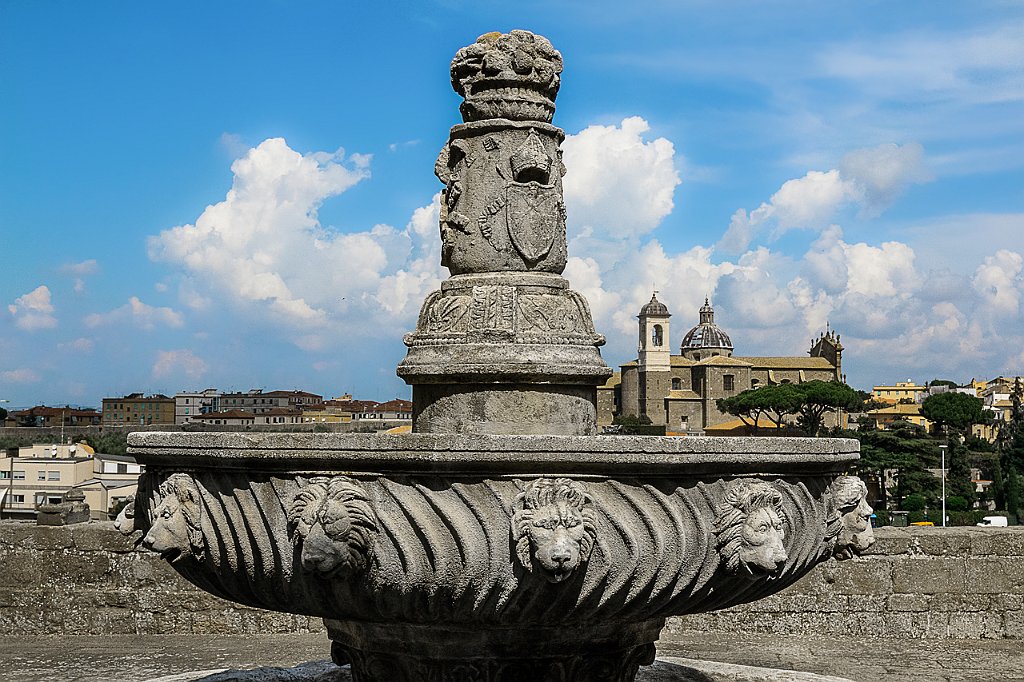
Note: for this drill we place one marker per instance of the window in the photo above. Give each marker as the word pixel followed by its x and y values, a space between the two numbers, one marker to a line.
pixel 42 475
pixel 785 381
pixel 19 475
pixel 684 423
pixel 676 384
pixel 52 475
pixel 122 468
pixel 17 499
pixel 728 382
pixel 5 475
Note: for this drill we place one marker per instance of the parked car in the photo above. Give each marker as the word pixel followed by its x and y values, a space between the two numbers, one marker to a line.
pixel 995 521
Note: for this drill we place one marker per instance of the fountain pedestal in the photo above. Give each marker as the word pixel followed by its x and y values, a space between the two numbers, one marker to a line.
pixel 502 541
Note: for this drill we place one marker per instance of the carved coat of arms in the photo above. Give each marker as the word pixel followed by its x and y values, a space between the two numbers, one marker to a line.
pixel 534 214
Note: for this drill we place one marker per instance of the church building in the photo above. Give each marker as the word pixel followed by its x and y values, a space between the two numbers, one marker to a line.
pixel 679 391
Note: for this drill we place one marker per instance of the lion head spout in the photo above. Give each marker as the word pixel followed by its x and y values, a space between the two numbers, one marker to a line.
pixel 750 529
pixel 850 496
pixel 176 530
pixel 331 522
pixel 553 526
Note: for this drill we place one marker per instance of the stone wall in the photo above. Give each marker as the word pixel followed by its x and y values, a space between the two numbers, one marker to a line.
pixel 914 582
pixel 920 582
pixel 89 579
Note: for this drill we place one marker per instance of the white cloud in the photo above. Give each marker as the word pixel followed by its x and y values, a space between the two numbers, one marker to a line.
pixel 32 311
pixel 178 363
pixel 80 271
pixel 81 345
pixel 20 376
pixel 137 313
pixel 619 184
pixel 870 178
pixel 999 282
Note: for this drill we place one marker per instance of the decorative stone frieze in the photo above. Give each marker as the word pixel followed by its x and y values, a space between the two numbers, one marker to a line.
pixel 850 496
pixel 750 529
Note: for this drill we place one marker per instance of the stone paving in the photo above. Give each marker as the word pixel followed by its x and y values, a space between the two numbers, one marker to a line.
pixel 133 659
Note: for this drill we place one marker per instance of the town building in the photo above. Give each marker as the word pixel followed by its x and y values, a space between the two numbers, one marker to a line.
pixel 189 404
pixel 901 391
pixel 138 409
pixel 884 417
pixel 680 391
pixel 66 416
pixel 270 417
pixel 258 401
pixel 42 474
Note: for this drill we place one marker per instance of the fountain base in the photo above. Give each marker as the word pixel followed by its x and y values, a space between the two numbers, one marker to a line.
pixel 399 653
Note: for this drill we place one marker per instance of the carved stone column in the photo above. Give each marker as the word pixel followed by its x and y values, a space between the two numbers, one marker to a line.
pixel 505 347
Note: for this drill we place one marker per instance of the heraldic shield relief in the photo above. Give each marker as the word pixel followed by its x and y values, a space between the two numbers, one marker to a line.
pixel 535 214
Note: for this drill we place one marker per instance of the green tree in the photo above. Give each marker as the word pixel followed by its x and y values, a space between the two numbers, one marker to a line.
pixel 943 382
pixel 3 414
pixel 903 450
pixel 954 410
pixel 819 397
pixel 774 402
pixel 960 483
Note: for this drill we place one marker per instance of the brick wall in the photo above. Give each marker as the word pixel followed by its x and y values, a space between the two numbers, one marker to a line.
pixel 916 582
pixel 921 582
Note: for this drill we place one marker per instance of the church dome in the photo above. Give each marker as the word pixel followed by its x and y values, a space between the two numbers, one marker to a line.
pixel 706 335
pixel 655 307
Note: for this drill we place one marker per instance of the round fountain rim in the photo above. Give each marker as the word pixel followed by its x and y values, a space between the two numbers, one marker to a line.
pixel 493 454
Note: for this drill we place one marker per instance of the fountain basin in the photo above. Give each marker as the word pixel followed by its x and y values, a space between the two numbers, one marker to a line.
pixel 519 557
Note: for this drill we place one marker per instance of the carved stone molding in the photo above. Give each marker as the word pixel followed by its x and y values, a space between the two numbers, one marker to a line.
pixel 332 526
pixel 750 529
pixel 553 526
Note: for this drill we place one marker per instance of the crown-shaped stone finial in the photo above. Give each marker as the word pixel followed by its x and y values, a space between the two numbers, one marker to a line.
pixel 511 75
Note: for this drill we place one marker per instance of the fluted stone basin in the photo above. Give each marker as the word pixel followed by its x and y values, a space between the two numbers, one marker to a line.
pixel 512 557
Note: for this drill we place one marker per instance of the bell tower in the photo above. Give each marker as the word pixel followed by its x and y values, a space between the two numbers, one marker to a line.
pixel 654 350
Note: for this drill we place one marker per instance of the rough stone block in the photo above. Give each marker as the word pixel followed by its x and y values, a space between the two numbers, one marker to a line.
pixel 864 576
pixel 974 625
pixel 930 575
pixel 100 537
pixel 944 541
pixel 908 602
pixel 1007 541
pixel 992 575
pixel 890 541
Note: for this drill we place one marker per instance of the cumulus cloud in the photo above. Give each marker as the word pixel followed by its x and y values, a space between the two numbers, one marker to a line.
pixel 618 183
pixel 998 280
pixel 33 310
pixel 869 178
pixel 263 251
pixel 80 271
pixel 19 376
pixel 81 345
pixel 139 314
pixel 178 363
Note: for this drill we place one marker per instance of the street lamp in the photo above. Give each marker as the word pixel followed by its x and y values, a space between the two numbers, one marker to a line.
pixel 942 448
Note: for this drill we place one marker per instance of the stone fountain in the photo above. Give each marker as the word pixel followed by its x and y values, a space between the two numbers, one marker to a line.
pixel 502 539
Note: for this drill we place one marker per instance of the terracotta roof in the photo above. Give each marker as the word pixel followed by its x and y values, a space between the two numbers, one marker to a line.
pixel 44 411
pixel 614 380
pixel 723 360
pixel 631 363
pixel 788 362
pixel 396 405
pixel 683 394
pixel 294 411
pixel 304 394
pixel 361 405
pixel 680 361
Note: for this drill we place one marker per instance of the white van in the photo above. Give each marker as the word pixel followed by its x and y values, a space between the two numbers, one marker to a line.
pixel 999 521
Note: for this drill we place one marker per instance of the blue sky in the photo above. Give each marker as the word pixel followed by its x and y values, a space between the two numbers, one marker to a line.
pixel 241 195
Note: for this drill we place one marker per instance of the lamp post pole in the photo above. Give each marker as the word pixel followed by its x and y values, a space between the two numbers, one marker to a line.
pixel 942 448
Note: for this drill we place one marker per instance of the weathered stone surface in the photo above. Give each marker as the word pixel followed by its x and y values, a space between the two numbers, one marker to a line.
pixel 931 575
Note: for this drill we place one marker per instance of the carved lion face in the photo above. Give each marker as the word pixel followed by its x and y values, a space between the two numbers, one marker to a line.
pixel 125 521
pixel 332 521
pixel 762 549
pixel 750 529
pixel 175 531
pixel 856 534
pixel 554 527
